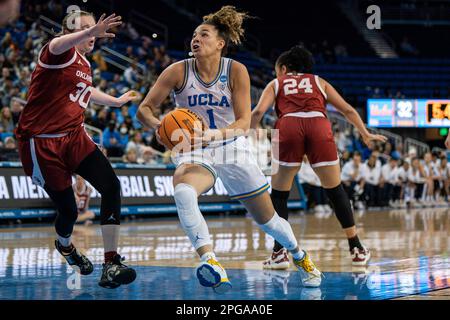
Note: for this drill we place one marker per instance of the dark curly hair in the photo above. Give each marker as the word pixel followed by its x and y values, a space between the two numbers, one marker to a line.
pixel 297 59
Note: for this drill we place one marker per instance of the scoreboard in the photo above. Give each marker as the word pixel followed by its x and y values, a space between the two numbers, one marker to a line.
pixel 408 113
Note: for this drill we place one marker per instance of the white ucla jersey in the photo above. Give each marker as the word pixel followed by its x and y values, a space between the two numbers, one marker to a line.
pixel 212 101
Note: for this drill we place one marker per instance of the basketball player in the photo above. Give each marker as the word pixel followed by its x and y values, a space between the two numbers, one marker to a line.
pixel 300 99
pixel 82 197
pixel 53 143
pixel 218 90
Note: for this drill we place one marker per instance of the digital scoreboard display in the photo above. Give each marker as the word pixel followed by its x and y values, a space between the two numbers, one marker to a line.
pixel 408 113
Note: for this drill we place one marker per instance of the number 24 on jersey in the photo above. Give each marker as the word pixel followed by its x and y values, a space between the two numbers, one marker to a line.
pixel 291 86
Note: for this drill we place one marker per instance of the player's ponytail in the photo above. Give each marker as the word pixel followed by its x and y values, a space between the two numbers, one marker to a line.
pixel 228 21
pixel 297 59
pixel 69 22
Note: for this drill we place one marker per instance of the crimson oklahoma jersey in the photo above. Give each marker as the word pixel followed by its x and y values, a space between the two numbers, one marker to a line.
pixel 60 90
pixel 302 125
pixel 52 140
pixel 299 93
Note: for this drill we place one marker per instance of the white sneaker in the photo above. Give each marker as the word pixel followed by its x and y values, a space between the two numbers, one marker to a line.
pixel 309 274
pixel 278 261
pixel 360 257
pixel 210 273
pixel 319 209
pixel 328 209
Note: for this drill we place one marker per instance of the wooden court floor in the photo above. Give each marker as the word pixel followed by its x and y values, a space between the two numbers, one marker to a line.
pixel 410 259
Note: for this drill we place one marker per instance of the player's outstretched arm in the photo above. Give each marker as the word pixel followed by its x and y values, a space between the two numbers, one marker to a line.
pixel 65 42
pixel 266 101
pixel 165 83
pixel 349 113
pixel 104 99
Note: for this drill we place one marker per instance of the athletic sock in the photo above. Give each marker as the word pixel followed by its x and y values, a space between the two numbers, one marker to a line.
pixel 65 242
pixel 354 242
pixel 206 256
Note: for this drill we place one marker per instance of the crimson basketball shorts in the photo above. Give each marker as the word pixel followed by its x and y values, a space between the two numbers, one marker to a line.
pixel 298 136
pixel 51 159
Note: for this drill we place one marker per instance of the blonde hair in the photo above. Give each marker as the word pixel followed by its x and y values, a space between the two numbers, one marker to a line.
pixel 66 28
pixel 228 21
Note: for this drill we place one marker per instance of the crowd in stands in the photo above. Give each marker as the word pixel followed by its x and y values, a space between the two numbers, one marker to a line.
pixel 381 175
pixel 374 176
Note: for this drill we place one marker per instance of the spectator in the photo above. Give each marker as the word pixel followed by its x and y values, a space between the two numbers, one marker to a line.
pixel 353 180
pixel 16 110
pixel 371 174
pixel 389 183
pixel 6 119
pixel 149 156
pixel 124 134
pixel 313 188
pixel 111 140
pixel 131 74
pixel 417 179
pixel 101 120
pixel 130 156
pixel 402 182
pixel 444 178
pixel 136 143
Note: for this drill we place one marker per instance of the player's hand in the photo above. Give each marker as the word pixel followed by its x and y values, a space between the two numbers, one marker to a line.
pixel 129 96
pixel 104 24
pixel 447 141
pixel 373 137
pixel 202 138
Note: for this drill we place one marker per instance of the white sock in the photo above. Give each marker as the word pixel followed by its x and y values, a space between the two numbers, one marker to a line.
pixel 65 242
pixel 191 219
pixel 110 235
pixel 206 256
pixel 281 231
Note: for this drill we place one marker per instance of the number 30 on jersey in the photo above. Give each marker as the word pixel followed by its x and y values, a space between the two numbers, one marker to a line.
pixel 82 95
pixel 291 86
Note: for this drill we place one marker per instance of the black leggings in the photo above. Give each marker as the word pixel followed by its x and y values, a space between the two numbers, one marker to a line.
pixel 97 170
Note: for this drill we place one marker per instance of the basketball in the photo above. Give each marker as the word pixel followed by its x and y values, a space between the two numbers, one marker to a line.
pixel 177 127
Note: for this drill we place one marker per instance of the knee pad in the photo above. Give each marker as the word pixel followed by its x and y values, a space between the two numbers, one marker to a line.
pixel 281 231
pixel 186 201
pixel 191 219
pixel 341 205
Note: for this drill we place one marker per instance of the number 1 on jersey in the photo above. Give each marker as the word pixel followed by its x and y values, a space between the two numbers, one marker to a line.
pixel 212 123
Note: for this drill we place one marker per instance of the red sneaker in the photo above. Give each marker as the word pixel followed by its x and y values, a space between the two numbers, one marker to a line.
pixel 277 261
pixel 360 257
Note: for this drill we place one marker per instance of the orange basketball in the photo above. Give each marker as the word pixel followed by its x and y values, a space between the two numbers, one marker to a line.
pixel 178 127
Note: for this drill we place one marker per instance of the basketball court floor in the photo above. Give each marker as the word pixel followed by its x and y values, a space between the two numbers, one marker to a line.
pixel 410 260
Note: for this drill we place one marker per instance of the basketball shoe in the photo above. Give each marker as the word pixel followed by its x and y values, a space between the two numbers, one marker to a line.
pixel 360 257
pixel 210 273
pixel 309 274
pixel 79 262
pixel 115 273
pixel 278 260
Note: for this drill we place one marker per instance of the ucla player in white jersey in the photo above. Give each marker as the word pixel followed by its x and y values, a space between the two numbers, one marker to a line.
pixel 218 89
